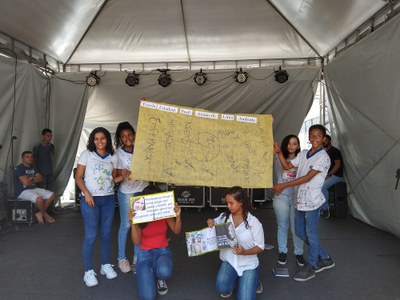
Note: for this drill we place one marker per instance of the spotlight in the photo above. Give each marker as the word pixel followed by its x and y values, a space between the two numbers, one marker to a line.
pixel 132 79
pixel 200 78
pixel 241 76
pixel 92 79
pixel 281 76
pixel 164 79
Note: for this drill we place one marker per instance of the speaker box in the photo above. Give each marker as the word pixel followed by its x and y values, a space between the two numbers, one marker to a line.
pixel 217 196
pixel 338 200
pixel 21 211
pixel 189 196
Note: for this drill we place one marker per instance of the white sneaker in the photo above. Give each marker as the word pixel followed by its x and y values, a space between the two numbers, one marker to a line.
pixel 108 271
pixel 90 278
pixel 124 265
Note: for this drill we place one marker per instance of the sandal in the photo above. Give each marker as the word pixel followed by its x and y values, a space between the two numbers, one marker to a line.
pixel 48 218
pixel 39 218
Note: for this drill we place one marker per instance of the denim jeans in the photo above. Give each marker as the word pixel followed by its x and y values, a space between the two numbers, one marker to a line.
pixel 226 279
pixel 284 207
pixel 332 180
pixel 152 265
pixel 307 230
pixel 95 219
pixel 125 224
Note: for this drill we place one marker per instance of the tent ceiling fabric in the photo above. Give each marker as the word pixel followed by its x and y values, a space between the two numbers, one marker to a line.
pixel 137 31
pixel 325 23
pixel 216 30
pixel 52 27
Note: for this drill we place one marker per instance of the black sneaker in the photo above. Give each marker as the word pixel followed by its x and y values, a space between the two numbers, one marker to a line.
pixel 162 287
pixel 306 274
pixel 259 288
pixel 133 268
pixel 324 264
pixel 282 258
pixel 226 295
pixel 325 214
pixel 300 260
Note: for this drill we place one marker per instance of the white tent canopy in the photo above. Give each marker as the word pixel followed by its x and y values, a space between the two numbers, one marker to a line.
pixel 154 31
pixel 355 44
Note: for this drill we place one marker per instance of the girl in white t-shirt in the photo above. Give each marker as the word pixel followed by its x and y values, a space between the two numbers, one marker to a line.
pixel 241 262
pixel 94 176
pixel 285 203
pixel 124 142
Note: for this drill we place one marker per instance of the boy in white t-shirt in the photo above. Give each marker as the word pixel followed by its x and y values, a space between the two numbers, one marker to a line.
pixel 312 167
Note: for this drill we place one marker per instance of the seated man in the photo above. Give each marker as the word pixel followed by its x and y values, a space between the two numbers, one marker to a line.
pixel 335 173
pixel 26 179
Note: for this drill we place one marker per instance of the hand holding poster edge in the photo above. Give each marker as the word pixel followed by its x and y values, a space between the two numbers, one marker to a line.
pixel 153 207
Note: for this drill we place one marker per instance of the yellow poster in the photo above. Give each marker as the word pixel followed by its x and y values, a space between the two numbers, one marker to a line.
pixel 190 146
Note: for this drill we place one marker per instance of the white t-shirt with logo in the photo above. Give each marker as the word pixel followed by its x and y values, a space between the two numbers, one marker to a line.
pixel 309 194
pixel 124 160
pixel 98 173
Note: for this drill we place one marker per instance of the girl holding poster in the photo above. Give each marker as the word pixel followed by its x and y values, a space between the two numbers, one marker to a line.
pixel 155 257
pixel 241 262
pixel 124 142
pixel 285 203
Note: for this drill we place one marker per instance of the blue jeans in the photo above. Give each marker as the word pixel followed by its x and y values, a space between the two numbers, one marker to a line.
pixel 99 217
pixel 307 230
pixel 327 184
pixel 152 265
pixel 226 279
pixel 125 224
pixel 284 207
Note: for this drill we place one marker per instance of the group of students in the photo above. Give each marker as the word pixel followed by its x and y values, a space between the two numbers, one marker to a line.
pixel 299 198
pixel 99 169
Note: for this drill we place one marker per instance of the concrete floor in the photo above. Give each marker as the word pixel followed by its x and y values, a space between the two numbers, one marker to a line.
pixel 44 262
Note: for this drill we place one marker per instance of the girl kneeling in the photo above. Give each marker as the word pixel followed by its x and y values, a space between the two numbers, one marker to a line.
pixel 154 262
pixel 240 263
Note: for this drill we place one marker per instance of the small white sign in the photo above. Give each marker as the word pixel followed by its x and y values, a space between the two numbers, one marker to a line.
pixel 246 119
pixel 207 115
pixel 148 208
pixel 228 117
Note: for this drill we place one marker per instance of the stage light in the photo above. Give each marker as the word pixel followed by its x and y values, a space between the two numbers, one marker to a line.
pixel 281 76
pixel 164 79
pixel 92 79
pixel 241 76
pixel 200 78
pixel 132 79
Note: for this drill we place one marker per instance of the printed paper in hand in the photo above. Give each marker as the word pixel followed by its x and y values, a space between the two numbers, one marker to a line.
pixel 221 236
